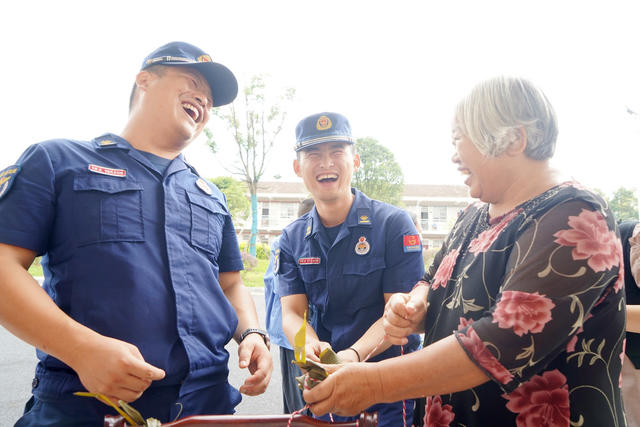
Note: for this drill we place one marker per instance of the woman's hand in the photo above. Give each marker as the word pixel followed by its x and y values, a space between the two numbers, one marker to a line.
pixel 348 390
pixel 404 314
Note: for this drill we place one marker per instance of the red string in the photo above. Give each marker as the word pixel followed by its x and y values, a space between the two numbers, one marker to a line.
pixel 294 413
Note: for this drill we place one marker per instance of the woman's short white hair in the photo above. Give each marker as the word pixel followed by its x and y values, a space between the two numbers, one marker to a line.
pixel 492 114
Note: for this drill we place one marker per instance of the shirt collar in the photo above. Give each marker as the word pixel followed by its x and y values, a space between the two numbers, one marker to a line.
pixel 360 214
pixel 110 141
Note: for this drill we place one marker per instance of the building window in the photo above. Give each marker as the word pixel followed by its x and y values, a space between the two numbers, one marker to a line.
pixel 287 210
pixel 424 219
pixel 264 217
pixel 439 214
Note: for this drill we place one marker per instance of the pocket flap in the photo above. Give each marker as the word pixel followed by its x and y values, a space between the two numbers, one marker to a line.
pixel 207 203
pixel 105 184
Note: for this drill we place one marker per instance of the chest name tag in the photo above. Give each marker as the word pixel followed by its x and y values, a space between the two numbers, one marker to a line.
pixel 108 171
pixel 308 261
pixel 411 243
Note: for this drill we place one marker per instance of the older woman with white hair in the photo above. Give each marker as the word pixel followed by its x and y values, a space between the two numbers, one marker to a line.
pixel 526 318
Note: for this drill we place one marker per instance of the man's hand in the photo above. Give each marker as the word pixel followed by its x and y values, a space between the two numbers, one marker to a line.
pixel 404 314
pixel 314 348
pixel 114 368
pixel 254 354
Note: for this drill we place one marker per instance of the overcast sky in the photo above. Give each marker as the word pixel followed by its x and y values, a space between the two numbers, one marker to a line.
pixel 395 69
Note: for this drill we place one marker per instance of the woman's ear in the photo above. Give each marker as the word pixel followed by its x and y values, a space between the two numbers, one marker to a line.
pixel 517 141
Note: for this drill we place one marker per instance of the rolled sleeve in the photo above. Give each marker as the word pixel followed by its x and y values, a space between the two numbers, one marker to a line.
pixel 403 269
pixel 28 209
pixel 289 281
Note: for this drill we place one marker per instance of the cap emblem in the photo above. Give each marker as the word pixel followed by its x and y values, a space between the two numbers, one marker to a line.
pixel 204 58
pixel 323 123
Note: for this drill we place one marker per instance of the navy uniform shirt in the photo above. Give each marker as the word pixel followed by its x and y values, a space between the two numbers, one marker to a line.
pixel 130 252
pixel 377 251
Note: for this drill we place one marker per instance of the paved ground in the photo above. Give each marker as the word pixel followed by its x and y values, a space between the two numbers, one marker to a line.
pixel 17 362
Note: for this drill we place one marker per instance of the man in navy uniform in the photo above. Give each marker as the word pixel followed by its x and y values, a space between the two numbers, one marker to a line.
pixel 346 257
pixel 142 288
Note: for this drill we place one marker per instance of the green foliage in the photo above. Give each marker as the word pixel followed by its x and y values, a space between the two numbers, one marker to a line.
pixel 379 176
pixel 236 193
pixel 262 250
pixel 254 121
pixel 255 277
pixel 624 204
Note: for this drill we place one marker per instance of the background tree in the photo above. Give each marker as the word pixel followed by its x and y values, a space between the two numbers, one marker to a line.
pixel 255 120
pixel 624 204
pixel 236 193
pixel 379 176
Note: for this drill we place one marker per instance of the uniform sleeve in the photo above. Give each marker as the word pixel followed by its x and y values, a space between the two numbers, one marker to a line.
pixel 561 267
pixel 403 255
pixel 230 258
pixel 289 281
pixel 27 210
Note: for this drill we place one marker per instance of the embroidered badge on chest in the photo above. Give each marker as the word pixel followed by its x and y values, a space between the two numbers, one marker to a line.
pixel 362 247
pixel 120 173
pixel 202 185
pixel 7 177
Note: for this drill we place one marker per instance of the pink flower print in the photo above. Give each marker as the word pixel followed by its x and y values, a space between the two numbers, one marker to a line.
pixel 481 354
pixel 485 239
pixel 436 414
pixel 619 281
pixel 445 269
pixel 541 401
pixel 523 311
pixel 592 240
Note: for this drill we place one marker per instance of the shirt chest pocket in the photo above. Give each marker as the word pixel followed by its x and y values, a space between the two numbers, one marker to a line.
pixel 315 284
pixel 363 278
pixel 107 209
pixel 208 218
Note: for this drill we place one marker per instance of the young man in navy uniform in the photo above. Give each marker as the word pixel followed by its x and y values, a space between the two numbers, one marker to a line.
pixel 142 287
pixel 346 257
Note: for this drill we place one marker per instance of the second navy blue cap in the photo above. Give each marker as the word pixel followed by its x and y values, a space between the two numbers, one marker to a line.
pixel 323 127
pixel 222 82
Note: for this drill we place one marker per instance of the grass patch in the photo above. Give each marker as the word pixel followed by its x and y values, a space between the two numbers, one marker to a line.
pixel 254 278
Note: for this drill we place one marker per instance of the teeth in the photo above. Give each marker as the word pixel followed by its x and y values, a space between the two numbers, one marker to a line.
pixel 191 108
pixel 327 176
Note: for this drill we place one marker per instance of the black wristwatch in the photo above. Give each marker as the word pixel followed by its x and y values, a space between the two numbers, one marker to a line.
pixel 265 335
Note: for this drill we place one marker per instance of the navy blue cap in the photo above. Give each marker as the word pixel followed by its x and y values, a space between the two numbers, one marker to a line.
pixel 222 82
pixel 323 127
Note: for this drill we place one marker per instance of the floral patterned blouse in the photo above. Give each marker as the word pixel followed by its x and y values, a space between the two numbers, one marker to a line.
pixel 534 298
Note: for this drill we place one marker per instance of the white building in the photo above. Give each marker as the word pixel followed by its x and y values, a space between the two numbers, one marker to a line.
pixel 436 206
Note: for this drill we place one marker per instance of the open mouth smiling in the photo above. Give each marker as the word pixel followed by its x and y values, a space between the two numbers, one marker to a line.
pixel 327 177
pixel 192 111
